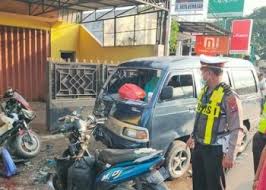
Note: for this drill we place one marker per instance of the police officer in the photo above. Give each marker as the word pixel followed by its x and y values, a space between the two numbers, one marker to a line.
pixel 217 128
pixel 259 139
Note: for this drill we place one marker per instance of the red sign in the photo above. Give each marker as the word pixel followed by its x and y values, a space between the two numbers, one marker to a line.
pixel 212 45
pixel 241 36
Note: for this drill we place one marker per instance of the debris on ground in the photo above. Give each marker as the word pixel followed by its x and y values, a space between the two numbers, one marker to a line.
pixel 37 171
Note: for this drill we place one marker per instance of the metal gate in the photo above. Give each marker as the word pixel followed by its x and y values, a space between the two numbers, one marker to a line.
pixel 23 56
pixel 76 80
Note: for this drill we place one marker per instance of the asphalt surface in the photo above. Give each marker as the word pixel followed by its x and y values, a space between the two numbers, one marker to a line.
pixel 242 175
pixel 238 178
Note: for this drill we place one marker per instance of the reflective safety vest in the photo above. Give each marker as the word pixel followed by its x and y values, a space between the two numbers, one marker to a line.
pixel 262 123
pixel 212 112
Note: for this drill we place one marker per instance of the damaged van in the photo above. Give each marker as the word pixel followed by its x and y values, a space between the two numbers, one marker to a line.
pixel 164 119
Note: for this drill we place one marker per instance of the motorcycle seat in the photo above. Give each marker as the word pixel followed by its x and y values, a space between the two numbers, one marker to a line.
pixel 115 156
pixel 2 123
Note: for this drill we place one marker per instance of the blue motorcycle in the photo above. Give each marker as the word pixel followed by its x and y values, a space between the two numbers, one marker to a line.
pixel 106 169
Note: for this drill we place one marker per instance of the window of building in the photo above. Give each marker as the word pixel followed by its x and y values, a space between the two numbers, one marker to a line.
pixel 68 55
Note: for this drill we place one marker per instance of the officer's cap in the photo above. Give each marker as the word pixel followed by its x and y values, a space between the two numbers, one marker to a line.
pixel 212 61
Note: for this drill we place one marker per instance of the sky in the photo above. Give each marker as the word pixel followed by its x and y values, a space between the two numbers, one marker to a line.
pixel 250 5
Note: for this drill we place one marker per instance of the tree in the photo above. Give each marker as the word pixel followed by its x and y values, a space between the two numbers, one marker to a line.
pixel 259 31
pixel 258 39
pixel 173 37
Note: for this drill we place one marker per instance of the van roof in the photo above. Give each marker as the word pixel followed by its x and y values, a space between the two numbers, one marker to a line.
pixel 178 62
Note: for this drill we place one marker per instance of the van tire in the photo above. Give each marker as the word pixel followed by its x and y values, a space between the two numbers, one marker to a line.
pixel 177 159
pixel 244 141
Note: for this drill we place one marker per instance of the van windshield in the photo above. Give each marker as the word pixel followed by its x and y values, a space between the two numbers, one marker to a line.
pixel 147 79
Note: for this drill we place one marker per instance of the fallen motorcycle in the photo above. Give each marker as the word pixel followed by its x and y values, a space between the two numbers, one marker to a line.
pixel 116 169
pixel 15 133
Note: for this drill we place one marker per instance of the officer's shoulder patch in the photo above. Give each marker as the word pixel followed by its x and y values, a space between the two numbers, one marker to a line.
pixel 227 89
pixel 232 103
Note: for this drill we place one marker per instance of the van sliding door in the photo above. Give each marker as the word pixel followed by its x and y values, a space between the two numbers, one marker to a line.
pixel 245 85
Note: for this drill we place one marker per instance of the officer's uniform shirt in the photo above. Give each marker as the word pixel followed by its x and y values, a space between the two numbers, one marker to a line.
pixel 230 117
pixel 230 122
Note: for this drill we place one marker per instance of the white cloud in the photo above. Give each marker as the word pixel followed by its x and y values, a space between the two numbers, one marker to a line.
pixel 250 5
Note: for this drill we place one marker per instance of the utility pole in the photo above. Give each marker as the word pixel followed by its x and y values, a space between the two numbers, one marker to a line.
pixel 167 33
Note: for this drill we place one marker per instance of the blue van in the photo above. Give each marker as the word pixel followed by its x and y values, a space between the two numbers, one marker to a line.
pixel 165 120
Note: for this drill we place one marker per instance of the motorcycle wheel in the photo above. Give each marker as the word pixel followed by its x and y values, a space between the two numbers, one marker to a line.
pixel 25 148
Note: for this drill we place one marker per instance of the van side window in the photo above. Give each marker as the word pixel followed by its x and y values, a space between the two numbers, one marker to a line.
pixel 244 82
pixel 183 86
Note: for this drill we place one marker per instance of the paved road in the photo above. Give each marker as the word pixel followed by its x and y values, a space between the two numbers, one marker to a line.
pixel 239 178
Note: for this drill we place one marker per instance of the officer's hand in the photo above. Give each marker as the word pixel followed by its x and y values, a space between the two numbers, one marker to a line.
pixel 227 162
pixel 255 184
pixel 190 143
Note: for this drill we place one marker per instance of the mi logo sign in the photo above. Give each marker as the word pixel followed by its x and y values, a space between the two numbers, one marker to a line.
pixel 212 45
pixel 211 42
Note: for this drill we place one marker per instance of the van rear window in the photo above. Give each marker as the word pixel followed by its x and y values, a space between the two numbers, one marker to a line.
pixel 244 82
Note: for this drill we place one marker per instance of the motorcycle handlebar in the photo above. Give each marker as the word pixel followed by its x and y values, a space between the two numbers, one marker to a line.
pixel 60 130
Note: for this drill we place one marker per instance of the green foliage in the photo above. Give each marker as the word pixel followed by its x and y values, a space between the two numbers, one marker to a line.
pixel 173 37
pixel 259 31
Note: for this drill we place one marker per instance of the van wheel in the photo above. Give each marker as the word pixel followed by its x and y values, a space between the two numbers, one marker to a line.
pixel 178 159
pixel 244 141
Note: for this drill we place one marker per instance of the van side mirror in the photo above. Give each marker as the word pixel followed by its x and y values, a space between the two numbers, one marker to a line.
pixel 167 93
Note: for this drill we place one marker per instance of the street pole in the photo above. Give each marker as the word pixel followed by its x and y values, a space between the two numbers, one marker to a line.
pixel 167 33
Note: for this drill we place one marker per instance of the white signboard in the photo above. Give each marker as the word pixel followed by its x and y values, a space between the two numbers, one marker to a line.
pixel 187 7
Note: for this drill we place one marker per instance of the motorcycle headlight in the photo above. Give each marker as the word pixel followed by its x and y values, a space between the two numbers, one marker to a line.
pixel 136 134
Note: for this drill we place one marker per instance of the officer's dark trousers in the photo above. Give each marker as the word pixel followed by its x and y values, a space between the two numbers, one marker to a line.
pixel 259 141
pixel 208 173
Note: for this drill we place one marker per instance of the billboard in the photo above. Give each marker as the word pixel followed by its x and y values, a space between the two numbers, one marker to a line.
pixel 212 45
pixel 241 36
pixel 187 7
pixel 225 8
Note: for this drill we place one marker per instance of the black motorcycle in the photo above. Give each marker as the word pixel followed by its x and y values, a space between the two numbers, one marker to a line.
pixel 15 133
pixel 106 169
